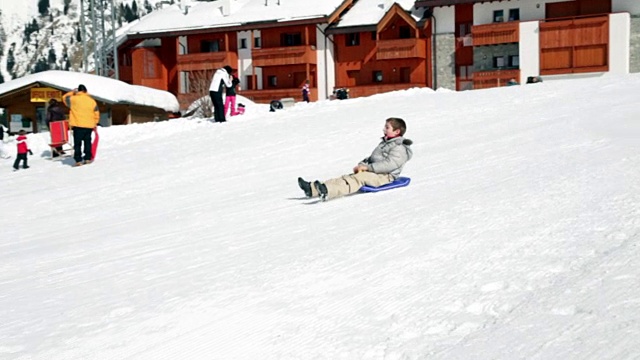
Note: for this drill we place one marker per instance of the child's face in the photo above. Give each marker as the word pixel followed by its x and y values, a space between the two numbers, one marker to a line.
pixel 389 132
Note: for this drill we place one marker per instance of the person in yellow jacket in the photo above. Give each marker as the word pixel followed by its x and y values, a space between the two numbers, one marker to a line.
pixel 84 116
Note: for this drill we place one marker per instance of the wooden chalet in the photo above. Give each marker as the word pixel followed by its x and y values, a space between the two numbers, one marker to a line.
pixel 25 100
pixel 495 41
pixel 455 44
pixel 273 58
pixel 390 55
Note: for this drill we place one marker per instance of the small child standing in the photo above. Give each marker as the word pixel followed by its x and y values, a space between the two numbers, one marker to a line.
pixel 23 149
pixel 380 168
pixel 230 100
pixel 306 91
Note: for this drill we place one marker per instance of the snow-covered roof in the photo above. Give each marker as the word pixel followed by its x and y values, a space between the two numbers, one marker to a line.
pixel 206 15
pixel 100 87
pixel 370 12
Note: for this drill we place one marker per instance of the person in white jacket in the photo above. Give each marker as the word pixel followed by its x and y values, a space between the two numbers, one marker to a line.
pixel 3 154
pixel 221 79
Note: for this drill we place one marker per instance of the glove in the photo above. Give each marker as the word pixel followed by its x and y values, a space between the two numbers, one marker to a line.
pixel 30 152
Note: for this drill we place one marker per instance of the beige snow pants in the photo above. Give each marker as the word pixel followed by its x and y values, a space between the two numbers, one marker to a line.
pixel 349 184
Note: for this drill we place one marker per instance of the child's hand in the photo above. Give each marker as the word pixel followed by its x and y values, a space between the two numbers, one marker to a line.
pixel 360 168
pixel 30 152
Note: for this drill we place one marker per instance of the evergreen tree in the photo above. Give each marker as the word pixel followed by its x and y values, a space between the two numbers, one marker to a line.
pixel 11 60
pixel 1 78
pixel 134 10
pixel 66 6
pixel 121 14
pixel 51 58
pixel 34 26
pixel 41 65
pixel 147 7
pixel 43 7
pixel 3 37
pixel 78 35
pixel 128 14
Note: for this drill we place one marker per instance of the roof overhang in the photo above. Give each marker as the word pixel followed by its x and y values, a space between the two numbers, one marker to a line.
pixel 228 28
pixel 395 10
pixel 432 3
pixel 350 29
pixel 16 92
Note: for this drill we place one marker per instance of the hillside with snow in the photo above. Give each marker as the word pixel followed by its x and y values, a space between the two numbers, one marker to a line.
pixel 518 237
pixel 32 40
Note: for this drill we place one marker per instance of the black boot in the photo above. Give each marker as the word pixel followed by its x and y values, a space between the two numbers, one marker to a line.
pixel 305 186
pixel 322 189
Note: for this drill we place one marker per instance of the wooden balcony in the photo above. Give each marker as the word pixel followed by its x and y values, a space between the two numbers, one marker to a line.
pixel 204 61
pixel 286 55
pixel 265 96
pixel 368 90
pixel 494 78
pixel 401 49
pixel 497 33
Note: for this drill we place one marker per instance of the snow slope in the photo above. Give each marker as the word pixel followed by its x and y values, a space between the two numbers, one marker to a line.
pixel 517 238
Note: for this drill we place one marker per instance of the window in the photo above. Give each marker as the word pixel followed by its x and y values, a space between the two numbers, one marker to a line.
pixel 464 29
pixel 209 46
pixel 243 43
pixel 291 39
pixel 514 14
pixel 405 32
pixel 257 43
pixel 514 61
pixel 374 36
pixel 498 15
pixel 150 66
pixel 377 76
pixel 184 82
pixel 498 62
pixel 353 39
pixel 126 59
pixel 465 72
pixel 273 81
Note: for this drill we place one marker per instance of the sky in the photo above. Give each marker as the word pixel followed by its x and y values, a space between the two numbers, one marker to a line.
pixel 516 239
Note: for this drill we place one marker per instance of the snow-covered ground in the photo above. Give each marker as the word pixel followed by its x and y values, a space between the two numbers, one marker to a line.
pixel 518 237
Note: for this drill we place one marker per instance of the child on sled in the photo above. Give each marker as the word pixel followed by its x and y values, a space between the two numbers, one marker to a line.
pixel 382 167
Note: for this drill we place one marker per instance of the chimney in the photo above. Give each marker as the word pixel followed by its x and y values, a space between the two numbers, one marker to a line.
pixel 183 6
pixel 225 7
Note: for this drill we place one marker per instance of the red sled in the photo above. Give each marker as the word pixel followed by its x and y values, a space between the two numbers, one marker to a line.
pixel 59 131
pixel 94 144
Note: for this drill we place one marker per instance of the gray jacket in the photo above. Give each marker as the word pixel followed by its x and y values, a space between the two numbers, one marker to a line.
pixel 389 156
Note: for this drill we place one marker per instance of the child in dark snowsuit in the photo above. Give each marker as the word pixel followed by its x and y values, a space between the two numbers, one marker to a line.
pixel 306 91
pixel 23 149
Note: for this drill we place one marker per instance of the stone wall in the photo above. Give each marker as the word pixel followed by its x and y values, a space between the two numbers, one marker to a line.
pixel 483 56
pixel 634 58
pixel 445 76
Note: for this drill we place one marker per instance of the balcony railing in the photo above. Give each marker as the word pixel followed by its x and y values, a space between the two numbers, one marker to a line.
pixel 286 55
pixel 494 78
pixel 207 60
pixel 401 49
pixel 497 33
pixel 265 96
pixel 367 90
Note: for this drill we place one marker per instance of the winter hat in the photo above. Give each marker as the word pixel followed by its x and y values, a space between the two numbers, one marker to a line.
pixel 229 69
pixel 82 88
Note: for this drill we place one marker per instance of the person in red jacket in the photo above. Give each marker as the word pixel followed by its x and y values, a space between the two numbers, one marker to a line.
pixel 23 149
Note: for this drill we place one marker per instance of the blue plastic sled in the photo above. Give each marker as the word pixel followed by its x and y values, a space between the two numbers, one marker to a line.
pixel 399 182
